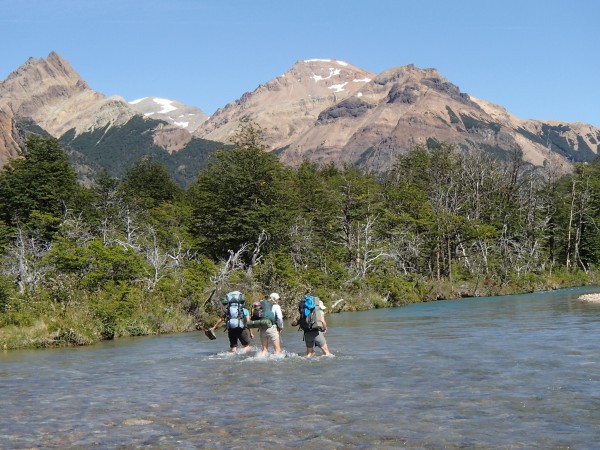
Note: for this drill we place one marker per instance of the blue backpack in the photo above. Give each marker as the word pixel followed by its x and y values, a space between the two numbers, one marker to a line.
pixel 310 315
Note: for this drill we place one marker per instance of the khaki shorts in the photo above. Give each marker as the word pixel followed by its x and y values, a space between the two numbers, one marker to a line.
pixel 314 337
pixel 269 335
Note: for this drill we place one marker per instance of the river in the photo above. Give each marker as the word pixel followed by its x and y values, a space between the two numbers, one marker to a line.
pixel 518 371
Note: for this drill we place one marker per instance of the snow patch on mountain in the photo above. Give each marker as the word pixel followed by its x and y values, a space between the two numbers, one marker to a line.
pixel 135 102
pixel 171 111
pixel 332 73
pixel 166 104
pixel 338 87
pixel 341 63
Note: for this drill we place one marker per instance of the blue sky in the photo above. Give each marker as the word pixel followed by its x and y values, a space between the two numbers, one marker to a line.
pixel 537 58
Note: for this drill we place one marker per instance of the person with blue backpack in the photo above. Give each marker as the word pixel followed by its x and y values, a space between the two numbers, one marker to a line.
pixel 312 322
pixel 235 318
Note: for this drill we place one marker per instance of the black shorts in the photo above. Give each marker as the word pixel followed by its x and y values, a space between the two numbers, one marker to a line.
pixel 240 334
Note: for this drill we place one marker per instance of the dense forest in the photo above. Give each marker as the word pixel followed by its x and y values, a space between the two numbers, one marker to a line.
pixel 141 255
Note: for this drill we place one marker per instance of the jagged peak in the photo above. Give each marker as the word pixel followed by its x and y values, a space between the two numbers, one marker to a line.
pixel 53 56
pixel 333 73
pixel 408 71
pixel 53 66
pixel 335 65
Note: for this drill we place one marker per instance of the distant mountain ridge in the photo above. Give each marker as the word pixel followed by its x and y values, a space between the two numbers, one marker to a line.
pixel 323 110
pixel 368 124
pixel 49 94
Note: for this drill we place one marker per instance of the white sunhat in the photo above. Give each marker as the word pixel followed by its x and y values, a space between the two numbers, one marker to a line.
pixel 274 296
pixel 322 306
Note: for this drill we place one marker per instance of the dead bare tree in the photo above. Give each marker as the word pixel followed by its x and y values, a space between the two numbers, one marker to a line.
pixel 369 248
pixel 233 263
pixel 158 260
pixel 74 227
pixel 25 260
pixel 162 262
pixel 405 249
pixel 301 247
pixel 263 237
pixel 129 228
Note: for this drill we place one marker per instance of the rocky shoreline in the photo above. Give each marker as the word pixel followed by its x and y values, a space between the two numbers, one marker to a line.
pixel 592 298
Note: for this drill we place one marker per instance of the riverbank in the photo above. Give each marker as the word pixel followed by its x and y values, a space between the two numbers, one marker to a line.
pixel 79 328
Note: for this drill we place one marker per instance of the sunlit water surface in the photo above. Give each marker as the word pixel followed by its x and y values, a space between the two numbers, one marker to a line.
pixel 503 372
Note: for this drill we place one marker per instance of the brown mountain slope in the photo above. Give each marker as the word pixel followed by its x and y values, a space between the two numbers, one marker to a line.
pixel 370 122
pixel 289 105
pixel 322 110
pixel 51 93
pixel 9 147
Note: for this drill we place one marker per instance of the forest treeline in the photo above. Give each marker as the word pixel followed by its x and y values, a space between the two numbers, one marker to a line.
pixel 141 255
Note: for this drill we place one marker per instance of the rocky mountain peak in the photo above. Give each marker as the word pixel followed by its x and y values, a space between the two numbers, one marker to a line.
pixel 26 87
pixel 52 93
pixel 324 110
pixel 289 104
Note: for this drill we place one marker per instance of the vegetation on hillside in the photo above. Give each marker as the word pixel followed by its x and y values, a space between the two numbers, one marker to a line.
pixel 116 149
pixel 141 255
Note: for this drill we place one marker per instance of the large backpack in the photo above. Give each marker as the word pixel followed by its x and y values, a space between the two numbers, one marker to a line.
pixel 311 316
pixel 235 310
pixel 263 310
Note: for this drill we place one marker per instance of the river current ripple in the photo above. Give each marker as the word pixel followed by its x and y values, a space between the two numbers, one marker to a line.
pixel 500 372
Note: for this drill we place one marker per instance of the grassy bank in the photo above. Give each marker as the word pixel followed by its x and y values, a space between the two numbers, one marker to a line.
pixel 86 319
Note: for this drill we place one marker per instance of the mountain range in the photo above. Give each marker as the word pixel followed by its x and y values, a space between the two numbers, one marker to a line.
pixel 321 110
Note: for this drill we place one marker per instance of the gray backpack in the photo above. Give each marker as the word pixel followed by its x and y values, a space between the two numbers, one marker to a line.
pixel 235 309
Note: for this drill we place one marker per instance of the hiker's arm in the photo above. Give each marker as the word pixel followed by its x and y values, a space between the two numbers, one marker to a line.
pixel 324 324
pixel 278 317
pixel 217 324
pixel 246 318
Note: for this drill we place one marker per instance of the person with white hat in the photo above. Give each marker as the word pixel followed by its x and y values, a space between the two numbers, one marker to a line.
pixel 270 334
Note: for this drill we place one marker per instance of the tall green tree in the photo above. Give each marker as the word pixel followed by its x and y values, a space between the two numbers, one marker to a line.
pixel 43 181
pixel 148 183
pixel 240 194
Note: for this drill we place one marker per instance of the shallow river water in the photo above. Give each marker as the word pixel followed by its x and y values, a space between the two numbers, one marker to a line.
pixel 503 372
